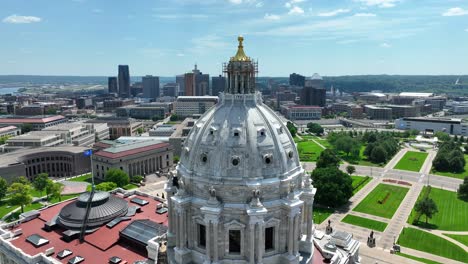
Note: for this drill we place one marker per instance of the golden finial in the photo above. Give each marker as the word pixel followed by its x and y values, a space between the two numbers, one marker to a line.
pixel 240 55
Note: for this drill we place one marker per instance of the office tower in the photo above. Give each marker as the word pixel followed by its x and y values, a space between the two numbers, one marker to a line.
pixel 180 80
pixel 171 89
pixel 189 83
pixel 112 85
pixel 313 92
pixel 150 86
pixel 296 80
pixel 124 81
pixel 218 85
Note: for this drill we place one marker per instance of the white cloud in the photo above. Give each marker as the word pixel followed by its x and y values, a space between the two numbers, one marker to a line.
pixel 385 45
pixel 466 30
pixel 15 19
pixel 365 15
pixel 296 10
pixel 271 17
pixel 259 4
pixel 96 10
pixel 297 1
pixel 180 54
pixel 379 3
pixel 334 12
pixel 236 2
pixel 455 11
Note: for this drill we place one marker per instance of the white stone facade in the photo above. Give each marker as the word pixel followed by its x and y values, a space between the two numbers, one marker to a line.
pixel 239 194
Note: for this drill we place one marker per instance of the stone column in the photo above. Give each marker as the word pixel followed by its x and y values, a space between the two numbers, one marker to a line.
pixel 215 241
pixel 296 234
pixel 309 220
pixel 177 231
pixel 260 242
pixel 252 243
pixel 290 234
pixel 208 241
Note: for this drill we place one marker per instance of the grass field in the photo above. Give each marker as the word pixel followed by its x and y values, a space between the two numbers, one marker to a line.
pixel 390 196
pixel 460 238
pixel 5 208
pixel 427 242
pixel 452 214
pixel 364 222
pixel 460 175
pixel 83 178
pixel 359 182
pixel 15 216
pixel 320 214
pixel 130 186
pixel 308 150
pixel 411 161
pixel 423 260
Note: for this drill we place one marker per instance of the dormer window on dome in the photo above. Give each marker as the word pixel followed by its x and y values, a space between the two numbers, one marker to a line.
pixel 236 132
pixel 235 160
pixel 261 132
pixel 267 158
pixel 213 130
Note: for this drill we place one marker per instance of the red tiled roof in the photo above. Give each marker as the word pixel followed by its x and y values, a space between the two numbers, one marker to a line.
pixel 98 247
pixel 110 155
pixel 3 129
pixel 30 120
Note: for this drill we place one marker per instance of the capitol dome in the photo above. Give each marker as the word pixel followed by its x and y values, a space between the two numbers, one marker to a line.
pixel 239 193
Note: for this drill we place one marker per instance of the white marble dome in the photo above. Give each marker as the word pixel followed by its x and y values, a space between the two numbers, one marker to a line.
pixel 239 139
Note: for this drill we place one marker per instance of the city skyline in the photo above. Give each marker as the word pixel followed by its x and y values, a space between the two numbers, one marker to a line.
pixel 89 38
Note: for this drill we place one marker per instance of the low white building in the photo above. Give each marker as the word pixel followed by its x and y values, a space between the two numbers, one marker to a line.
pixel 302 112
pixel 452 126
pixel 193 105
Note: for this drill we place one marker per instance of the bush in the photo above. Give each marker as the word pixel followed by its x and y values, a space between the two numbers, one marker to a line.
pixel 118 177
pixel 137 179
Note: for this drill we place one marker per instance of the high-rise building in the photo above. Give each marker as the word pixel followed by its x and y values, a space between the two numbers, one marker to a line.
pixel 112 85
pixel 124 81
pixel 218 84
pixel 189 83
pixel 150 86
pixel 313 92
pixel 296 80
pixel 180 80
pixel 171 89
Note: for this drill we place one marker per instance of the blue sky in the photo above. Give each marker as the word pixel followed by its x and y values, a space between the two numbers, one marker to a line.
pixel 166 37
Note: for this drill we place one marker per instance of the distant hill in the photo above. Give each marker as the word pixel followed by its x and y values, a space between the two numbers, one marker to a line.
pixel 350 84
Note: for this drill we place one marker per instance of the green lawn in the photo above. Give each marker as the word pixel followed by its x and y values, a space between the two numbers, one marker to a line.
pixel 359 182
pixel 64 197
pixel 308 150
pixel 460 238
pixel 411 161
pixel 5 208
pixel 15 216
pixel 83 178
pixel 423 260
pixel 130 186
pixel 36 193
pixel 320 214
pixel 427 242
pixel 452 214
pixel 460 175
pixel 364 222
pixel 390 197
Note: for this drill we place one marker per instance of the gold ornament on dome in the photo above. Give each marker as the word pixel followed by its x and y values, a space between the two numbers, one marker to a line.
pixel 240 55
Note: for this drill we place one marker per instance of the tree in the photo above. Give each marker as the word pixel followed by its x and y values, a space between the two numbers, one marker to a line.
pixel 292 128
pixel 25 128
pixel 19 195
pixel 3 188
pixel 174 117
pixel 442 136
pixel 23 180
pixel 140 130
pixel 463 189
pixel 378 155
pixel 328 159
pixel 118 177
pixel 106 186
pixel 54 189
pixel 137 178
pixel 315 128
pixel 350 169
pixel 335 186
pixel 40 182
pixel 368 149
pixel 426 207
pixel 175 159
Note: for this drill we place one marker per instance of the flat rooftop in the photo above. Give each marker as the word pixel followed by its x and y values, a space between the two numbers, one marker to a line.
pixel 97 247
pixel 122 150
pixel 30 119
pixel 13 157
